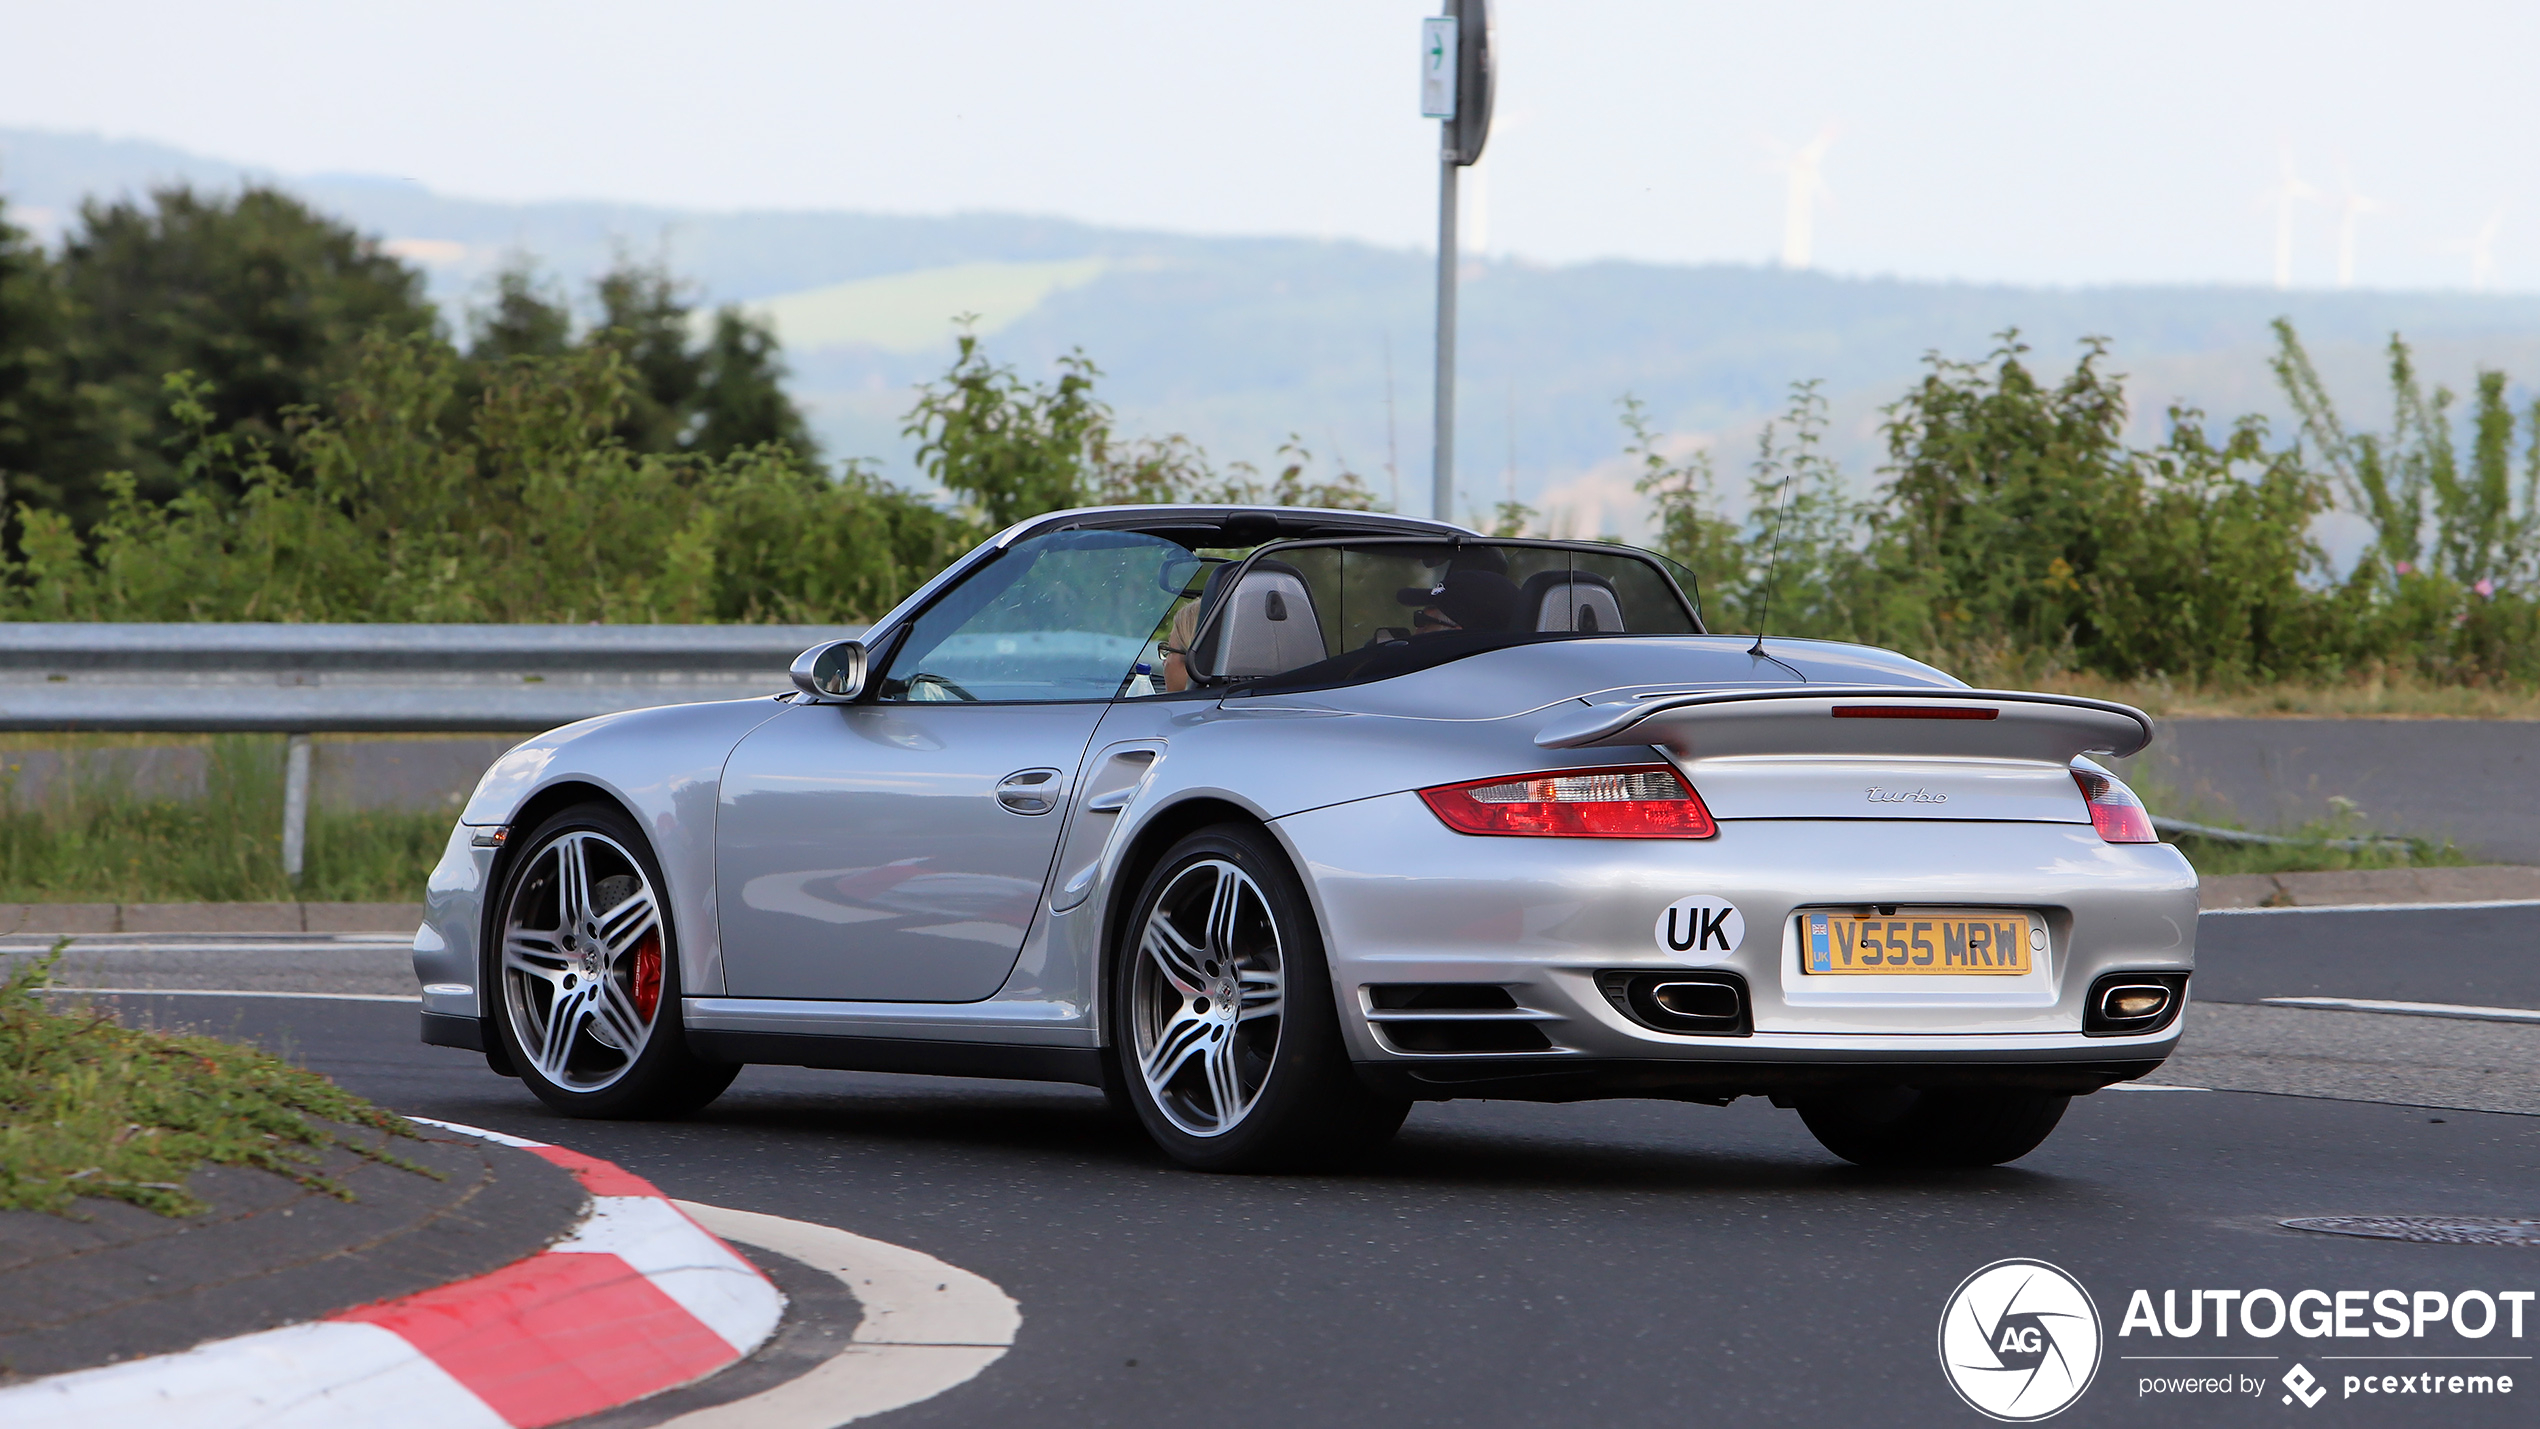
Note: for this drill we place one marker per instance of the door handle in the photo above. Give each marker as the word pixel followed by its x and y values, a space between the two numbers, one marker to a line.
pixel 1029 791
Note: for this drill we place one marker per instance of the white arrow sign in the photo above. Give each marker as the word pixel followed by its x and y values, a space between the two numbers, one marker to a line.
pixel 1437 67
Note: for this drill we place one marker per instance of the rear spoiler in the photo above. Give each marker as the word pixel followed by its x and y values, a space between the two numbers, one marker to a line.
pixel 1869 720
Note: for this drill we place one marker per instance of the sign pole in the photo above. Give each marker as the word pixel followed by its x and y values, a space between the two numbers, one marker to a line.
pixel 1442 494
pixel 1456 84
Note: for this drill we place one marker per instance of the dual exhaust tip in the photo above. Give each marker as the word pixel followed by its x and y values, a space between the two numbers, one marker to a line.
pixel 2131 1004
pixel 1699 1004
pixel 1716 1004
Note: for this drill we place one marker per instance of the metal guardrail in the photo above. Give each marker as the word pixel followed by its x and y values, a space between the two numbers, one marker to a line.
pixel 300 680
pixel 328 679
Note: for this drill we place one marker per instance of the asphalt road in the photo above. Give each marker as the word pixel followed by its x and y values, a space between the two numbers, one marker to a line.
pixel 1623 1263
pixel 2484 956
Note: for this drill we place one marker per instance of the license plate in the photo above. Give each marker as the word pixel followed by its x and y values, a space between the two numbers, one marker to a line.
pixel 1952 942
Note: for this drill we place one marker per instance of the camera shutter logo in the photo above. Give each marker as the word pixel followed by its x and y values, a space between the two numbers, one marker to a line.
pixel 2019 1340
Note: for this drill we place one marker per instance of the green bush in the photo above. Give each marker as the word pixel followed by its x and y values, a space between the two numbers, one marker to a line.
pixel 2019 535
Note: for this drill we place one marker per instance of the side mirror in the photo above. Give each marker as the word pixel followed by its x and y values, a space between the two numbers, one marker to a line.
pixel 831 674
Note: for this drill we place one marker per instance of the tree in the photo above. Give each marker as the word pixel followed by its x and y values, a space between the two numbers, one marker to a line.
pixel 45 425
pixel 713 397
pixel 526 319
pixel 260 296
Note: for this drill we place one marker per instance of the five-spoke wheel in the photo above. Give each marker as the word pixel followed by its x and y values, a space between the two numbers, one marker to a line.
pixel 587 976
pixel 1206 997
pixel 582 960
pixel 1230 1045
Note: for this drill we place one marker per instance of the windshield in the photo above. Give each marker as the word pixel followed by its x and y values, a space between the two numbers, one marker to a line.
pixel 1065 616
pixel 1337 612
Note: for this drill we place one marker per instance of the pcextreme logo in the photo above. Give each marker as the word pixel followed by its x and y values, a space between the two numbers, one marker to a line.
pixel 2019 1340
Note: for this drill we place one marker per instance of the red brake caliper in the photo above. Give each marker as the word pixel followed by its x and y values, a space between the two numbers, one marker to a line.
pixel 648 975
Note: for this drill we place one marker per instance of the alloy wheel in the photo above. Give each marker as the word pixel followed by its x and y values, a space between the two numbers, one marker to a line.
pixel 1206 997
pixel 582 960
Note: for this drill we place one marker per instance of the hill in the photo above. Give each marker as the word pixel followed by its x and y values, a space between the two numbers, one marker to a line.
pixel 1240 342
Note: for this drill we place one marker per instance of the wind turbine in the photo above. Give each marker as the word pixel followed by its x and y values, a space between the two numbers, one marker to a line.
pixel 2351 206
pixel 2482 251
pixel 2288 191
pixel 1803 179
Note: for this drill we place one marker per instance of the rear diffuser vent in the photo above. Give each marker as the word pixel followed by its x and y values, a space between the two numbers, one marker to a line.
pixel 1453 1017
pixel 1440 997
pixel 1460 1036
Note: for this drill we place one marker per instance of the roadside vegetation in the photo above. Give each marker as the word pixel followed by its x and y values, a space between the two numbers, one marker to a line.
pixel 97 840
pixel 89 1107
pixel 2312 850
pixel 230 407
pixel 2020 540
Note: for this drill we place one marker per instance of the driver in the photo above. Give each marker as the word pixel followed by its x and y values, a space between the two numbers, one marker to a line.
pixel 1475 600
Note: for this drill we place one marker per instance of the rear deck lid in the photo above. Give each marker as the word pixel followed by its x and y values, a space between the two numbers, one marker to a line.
pixel 1869 752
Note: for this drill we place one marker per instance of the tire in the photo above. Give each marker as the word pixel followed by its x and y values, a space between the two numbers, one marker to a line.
pixel 1227 1036
pixel 586 1007
pixel 1903 1126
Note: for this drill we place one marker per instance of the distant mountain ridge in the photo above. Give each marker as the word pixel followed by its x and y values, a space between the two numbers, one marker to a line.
pixel 1239 342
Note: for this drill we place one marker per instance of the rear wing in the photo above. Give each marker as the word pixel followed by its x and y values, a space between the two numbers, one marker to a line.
pixel 1861 720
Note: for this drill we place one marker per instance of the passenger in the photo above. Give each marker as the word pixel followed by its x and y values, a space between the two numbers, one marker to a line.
pixel 1477 601
pixel 1175 647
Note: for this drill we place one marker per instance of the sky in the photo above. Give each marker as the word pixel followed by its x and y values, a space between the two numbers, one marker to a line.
pixel 2030 142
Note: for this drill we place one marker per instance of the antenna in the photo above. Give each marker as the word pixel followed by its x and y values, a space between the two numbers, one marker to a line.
pixel 1772 568
pixel 1393 471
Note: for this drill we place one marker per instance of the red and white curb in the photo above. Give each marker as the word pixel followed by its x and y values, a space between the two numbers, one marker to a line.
pixel 639 1299
pixel 927 1327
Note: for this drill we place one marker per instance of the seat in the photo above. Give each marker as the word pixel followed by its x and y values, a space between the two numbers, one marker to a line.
pixel 1570 600
pixel 1268 626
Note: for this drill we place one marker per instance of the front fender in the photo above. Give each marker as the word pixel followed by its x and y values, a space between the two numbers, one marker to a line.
pixel 664 766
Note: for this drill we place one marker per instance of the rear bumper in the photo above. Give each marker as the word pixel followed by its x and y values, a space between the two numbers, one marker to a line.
pixel 1403 900
pixel 1572 1079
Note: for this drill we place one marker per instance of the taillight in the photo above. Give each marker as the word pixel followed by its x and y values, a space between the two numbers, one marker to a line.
pixel 1639 801
pixel 2114 810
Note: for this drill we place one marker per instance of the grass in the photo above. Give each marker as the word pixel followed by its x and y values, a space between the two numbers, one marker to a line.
pixel 94 840
pixel 89 1107
pixel 2310 852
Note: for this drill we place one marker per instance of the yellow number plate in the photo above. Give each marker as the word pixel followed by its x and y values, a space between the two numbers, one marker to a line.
pixel 1950 942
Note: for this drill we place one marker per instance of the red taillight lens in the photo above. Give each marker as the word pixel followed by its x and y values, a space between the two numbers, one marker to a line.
pixel 2114 810
pixel 1639 801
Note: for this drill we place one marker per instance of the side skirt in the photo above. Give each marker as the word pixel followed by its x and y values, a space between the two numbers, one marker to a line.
pixel 1006 1061
pixel 448 1029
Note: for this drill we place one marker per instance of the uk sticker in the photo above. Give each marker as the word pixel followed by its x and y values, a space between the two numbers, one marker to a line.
pixel 1701 927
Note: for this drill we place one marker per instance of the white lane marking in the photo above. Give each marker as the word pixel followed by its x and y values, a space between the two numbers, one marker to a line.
pixel 928 1326
pixel 125 943
pixel 371 1376
pixel 2373 907
pixel 2150 1087
pixel 2411 1009
pixel 498 1138
pixel 231 992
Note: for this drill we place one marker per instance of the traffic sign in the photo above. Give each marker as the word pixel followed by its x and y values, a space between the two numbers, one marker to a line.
pixel 1438 54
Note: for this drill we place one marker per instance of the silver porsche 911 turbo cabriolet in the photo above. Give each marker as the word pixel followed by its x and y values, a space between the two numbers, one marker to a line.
pixel 1270 822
